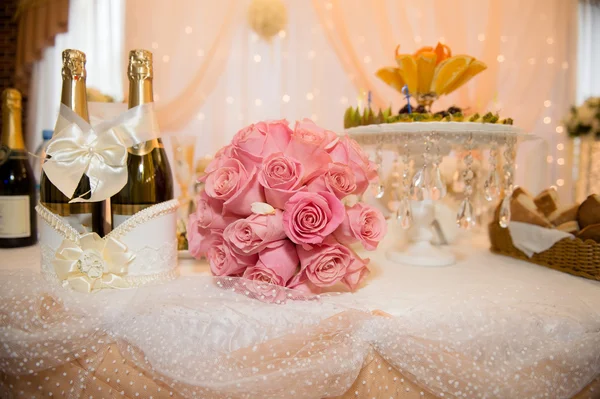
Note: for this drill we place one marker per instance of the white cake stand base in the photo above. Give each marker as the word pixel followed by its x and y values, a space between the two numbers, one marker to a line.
pixel 422 254
pixel 420 251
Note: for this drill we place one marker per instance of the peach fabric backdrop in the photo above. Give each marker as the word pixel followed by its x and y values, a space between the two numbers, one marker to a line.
pixel 529 48
pixel 213 75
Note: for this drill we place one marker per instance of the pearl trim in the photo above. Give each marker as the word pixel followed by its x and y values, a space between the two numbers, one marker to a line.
pixel 58 223
pixel 69 233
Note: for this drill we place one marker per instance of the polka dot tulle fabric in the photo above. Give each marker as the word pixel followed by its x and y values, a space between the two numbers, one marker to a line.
pixel 219 338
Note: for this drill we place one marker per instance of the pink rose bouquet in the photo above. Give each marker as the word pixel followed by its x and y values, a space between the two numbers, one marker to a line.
pixel 273 209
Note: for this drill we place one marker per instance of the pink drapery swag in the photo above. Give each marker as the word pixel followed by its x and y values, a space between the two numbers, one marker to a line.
pixel 39 23
pixel 190 42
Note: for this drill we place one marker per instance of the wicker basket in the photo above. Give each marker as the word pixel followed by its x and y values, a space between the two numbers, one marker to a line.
pixel 573 256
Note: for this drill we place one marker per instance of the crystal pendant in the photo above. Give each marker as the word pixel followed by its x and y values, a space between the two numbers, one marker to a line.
pixel 404 214
pixel 504 215
pixel 438 188
pixel 491 187
pixel 378 191
pixel 417 185
pixel 465 218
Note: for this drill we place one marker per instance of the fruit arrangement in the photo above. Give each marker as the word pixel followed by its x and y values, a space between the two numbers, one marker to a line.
pixel 353 117
pixel 430 72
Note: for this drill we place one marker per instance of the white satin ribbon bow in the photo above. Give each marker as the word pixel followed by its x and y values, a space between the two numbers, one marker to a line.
pixel 99 152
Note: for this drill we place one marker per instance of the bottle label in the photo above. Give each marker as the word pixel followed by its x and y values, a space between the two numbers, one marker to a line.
pixel 122 212
pixel 14 216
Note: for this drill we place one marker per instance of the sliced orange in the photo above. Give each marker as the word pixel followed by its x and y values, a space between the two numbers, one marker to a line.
pixel 448 71
pixel 425 49
pixel 443 52
pixel 391 76
pixel 407 66
pixel 426 67
pixel 473 69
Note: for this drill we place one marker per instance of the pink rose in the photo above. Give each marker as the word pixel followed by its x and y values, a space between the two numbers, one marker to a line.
pixel 338 179
pixel 302 284
pixel 348 152
pixel 310 217
pixel 248 193
pixel 199 239
pixel 225 180
pixel 275 265
pixel 309 146
pixel 217 161
pixel 232 184
pixel 258 140
pixel 255 233
pixel 209 213
pixel 250 161
pixel 281 176
pixel 356 273
pixel 308 132
pixel 193 236
pixel 224 261
pixel 326 264
pixel 362 223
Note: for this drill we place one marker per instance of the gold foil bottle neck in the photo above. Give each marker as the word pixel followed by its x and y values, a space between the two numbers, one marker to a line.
pixel 140 65
pixel 12 130
pixel 73 64
pixel 11 99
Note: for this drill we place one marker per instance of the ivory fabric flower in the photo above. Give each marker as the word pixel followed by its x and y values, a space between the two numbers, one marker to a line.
pixel 93 263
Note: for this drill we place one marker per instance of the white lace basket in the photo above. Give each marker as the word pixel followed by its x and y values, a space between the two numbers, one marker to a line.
pixel 146 250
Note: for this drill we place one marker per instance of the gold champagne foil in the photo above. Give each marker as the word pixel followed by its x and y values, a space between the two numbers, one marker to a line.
pixel 74 93
pixel 12 131
pixel 140 74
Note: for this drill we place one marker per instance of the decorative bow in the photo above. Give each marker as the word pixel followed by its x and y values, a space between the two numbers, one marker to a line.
pixel 99 152
pixel 92 264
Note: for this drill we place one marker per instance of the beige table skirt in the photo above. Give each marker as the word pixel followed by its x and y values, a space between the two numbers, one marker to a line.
pixel 113 377
pixel 107 374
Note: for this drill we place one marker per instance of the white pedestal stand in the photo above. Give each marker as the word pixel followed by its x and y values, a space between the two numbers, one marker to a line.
pixel 420 251
pixel 430 140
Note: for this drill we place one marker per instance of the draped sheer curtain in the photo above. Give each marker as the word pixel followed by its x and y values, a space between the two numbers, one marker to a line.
pixel 588 55
pixel 327 56
pixel 213 75
pixel 528 47
pixel 245 79
pixel 96 27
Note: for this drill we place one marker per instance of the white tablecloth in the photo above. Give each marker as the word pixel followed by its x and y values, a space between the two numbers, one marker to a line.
pixel 486 305
pixel 397 289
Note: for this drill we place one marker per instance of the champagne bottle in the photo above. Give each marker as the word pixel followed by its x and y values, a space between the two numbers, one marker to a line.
pixel 149 173
pixel 17 183
pixel 83 216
